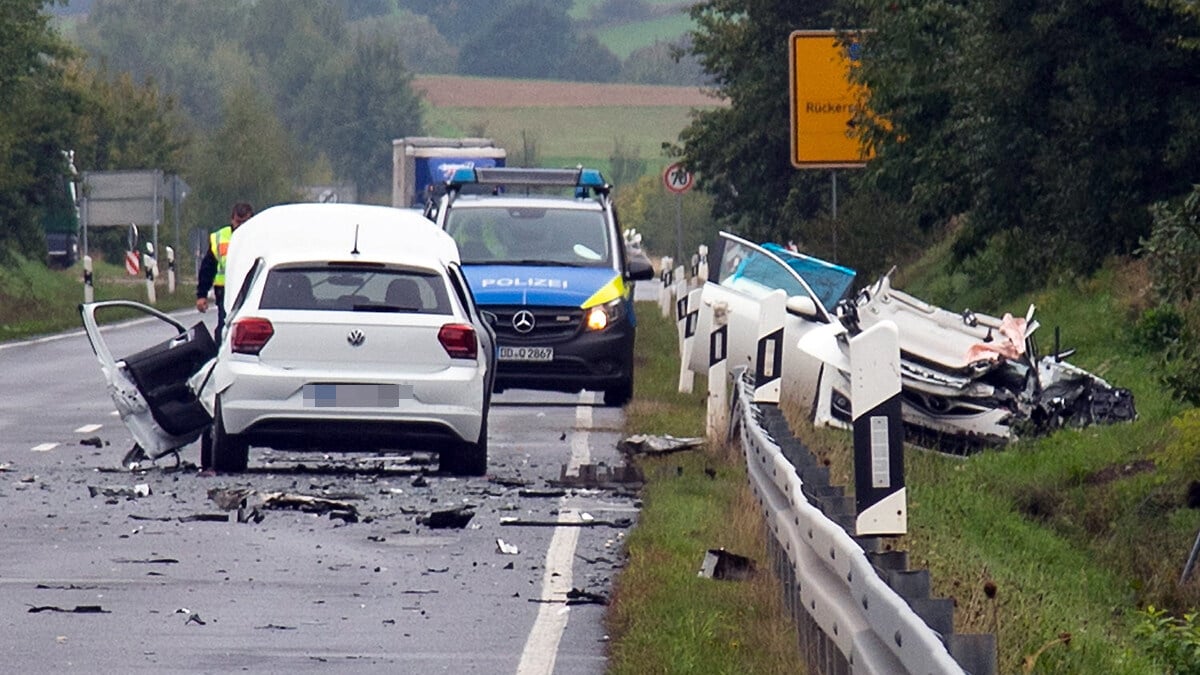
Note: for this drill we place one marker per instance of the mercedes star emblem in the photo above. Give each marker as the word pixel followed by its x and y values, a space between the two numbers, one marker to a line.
pixel 356 338
pixel 523 321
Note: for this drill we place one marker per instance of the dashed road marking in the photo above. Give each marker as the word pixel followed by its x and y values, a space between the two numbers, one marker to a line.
pixel 541 648
pixel 88 428
pixel 45 447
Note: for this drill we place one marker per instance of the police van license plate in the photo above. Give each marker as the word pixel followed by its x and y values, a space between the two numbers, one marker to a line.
pixel 526 353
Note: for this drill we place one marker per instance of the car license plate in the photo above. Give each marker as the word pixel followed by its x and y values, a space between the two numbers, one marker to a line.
pixel 527 353
pixel 355 395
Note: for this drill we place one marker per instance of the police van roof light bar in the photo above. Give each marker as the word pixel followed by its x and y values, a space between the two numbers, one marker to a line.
pixel 510 176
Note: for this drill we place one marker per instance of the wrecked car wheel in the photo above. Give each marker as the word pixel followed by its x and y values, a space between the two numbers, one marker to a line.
pixel 229 452
pixel 466 459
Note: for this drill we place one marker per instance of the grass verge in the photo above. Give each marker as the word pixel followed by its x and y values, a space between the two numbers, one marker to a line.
pixel 35 300
pixel 665 618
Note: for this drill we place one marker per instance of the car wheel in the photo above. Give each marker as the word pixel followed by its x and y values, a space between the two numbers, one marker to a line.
pixel 619 395
pixel 229 452
pixel 467 459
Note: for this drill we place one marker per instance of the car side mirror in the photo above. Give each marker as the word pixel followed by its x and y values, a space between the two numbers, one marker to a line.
pixel 639 268
pixel 802 305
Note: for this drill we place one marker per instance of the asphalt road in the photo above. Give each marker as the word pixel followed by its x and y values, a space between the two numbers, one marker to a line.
pixel 96 575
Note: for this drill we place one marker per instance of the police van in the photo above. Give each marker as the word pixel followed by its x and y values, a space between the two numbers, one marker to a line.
pixel 543 254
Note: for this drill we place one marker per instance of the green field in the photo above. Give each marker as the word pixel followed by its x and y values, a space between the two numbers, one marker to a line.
pixel 568 136
pixel 623 40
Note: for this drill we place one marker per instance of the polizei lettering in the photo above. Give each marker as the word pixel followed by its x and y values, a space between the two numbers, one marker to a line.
pixel 529 282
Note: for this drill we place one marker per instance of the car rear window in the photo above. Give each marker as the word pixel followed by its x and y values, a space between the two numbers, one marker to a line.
pixel 355 289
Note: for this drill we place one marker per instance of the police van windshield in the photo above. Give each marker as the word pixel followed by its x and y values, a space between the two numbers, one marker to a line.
pixel 530 235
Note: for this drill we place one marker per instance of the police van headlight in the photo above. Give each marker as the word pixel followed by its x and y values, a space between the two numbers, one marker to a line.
pixel 602 316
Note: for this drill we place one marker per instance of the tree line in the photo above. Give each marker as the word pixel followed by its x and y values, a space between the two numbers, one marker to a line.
pixel 1036 135
pixel 249 99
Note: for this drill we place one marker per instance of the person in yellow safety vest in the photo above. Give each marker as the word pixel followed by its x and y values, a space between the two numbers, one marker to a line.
pixel 212 267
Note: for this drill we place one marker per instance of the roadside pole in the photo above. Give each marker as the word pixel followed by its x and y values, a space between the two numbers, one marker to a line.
pixel 89 291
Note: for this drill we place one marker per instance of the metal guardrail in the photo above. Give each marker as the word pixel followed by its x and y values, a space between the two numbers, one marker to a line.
pixel 857 608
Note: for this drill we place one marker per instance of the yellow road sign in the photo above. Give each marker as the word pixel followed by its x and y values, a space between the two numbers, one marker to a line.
pixel 824 102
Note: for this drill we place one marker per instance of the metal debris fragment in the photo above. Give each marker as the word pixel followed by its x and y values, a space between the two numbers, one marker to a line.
pixel 78 609
pixel 249 502
pixel 657 445
pixel 582 522
pixel 721 564
pixel 455 518
pixel 601 477
pixel 192 617
pixel 139 490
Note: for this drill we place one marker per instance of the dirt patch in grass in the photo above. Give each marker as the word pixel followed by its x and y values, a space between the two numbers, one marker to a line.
pixel 449 91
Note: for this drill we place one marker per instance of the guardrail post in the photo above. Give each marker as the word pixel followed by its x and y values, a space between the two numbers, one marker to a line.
pixel 89 291
pixel 881 499
pixel 718 378
pixel 686 314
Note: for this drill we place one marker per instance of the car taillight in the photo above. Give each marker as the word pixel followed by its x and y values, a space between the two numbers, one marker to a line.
pixel 458 339
pixel 251 334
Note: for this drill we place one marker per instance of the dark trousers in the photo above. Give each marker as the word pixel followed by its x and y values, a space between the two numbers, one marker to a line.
pixel 219 296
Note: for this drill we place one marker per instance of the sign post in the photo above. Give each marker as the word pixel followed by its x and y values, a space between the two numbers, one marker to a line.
pixel 678 180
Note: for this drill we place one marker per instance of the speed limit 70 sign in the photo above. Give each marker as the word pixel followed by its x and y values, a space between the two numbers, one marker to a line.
pixel 677 178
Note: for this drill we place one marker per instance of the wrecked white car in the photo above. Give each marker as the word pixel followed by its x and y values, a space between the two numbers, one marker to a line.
pixel 351 328
pixel 968 380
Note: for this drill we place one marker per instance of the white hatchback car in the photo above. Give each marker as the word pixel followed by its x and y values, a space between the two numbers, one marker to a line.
pixel 351 328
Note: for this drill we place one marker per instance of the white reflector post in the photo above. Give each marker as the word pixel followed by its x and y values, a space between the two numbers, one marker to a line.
pixel 170 270
pixel 687 314
pixel 718 377
pixel 148 267
pixel 878 432
pixel 768 362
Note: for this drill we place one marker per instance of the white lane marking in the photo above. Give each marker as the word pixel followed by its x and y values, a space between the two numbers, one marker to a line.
pixel 88 428
pixel 115 413
pixel 45 447
pixel 541 648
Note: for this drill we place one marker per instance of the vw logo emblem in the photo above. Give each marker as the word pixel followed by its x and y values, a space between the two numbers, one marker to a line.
pixel 356 338
pixel 523 321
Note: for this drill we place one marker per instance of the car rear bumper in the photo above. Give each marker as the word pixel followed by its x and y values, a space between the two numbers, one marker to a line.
pixel 268 407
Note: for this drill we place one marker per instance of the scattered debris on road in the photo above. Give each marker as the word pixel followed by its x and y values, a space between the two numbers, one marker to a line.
pixel 78 609
pixel 147 561
pixel 579 596
pixel 721 564
pixel 587 521
pixel 542 493
pixel 506 548
pixel 192 617
pixel 139 490
pixel 249 503
pixel 641 444
pixel 93 441
pixel 601 477
pixel 455 518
